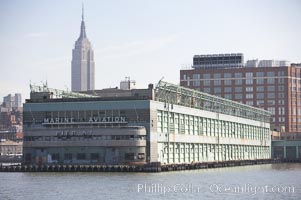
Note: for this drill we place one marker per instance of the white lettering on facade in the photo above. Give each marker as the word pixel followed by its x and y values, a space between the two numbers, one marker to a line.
pixel 100 120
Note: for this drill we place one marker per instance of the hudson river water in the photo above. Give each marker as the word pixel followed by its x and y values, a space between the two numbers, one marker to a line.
pixel 271 181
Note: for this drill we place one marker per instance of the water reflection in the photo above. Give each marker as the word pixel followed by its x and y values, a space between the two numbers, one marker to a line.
pixel 246 182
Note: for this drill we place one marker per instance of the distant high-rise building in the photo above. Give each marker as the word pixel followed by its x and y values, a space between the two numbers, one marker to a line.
pixel 274 85
pixel 12 101
pixel 128 84
pixel 83 69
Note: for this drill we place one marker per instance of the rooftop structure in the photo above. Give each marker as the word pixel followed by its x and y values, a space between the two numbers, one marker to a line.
pixel 218 60
pixel 49 93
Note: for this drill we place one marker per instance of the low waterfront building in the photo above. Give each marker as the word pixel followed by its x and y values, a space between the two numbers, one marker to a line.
pixel 166 124
pixel 10 148
pixel 286 149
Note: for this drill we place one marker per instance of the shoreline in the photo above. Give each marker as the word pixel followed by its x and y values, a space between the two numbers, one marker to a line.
pixel 151 167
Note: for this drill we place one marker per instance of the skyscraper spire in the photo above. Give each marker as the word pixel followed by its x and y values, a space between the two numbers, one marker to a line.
pixel 82 27
pixel 82 11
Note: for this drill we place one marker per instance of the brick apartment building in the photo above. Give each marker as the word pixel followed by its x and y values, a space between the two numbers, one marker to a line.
pixel 269 84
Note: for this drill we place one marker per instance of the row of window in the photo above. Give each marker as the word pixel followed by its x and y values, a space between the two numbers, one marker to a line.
pixel 294 119
pixel 260 103
pixel 91 156
pixel 194 125
pixel 185 152
pixel 198 82
pixel 248 95
pixel 295 126
pixel 237 75
pixel 249 89
pixel 86 137
pixel 295 81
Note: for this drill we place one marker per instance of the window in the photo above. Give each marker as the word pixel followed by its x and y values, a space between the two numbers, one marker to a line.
pixel 238 82
pixel 271 80
pixel 207 90
pixel 141 155
pixel 281 111
pixel 281 73
pixel 281 80
pixel 249 74
pixel 238 89
pixel 94 156
pixel 250 103
pixel 281 102
pixel 259 88
pixel 271 95
pixel 206 76
pixel 249 89
pixel 271 74
pixel 271 110
pixel 238 75
pixel 206 82
pixel 196 76
pixel 218 75
pixel 280 95
pixel 260 81
pixel 280 88
pixel 260 103
pixel 81 156
pixel 249 96
pixel 228 96
pixel 249 81
pixel 217 90
pixel 217 82
pixel 228 89
pixel 196 83
pixel 55 156
pixel 129 156
pixel 260 95
pixel 227 75
pixel 68 156
pixel 227 82
pixel 259 74
pixel 238 96
pixel 271 88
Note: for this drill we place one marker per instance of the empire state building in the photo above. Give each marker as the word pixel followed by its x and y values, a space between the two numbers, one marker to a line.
pixel 82 65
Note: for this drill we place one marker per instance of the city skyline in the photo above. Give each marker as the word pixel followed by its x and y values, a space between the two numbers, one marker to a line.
pixel 144 40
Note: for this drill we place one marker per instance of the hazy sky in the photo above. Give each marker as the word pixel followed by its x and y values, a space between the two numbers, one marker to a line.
pixel 143 39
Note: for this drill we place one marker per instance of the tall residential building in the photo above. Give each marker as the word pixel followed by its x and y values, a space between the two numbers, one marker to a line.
pixel 12 101
pixel 269 84
pixel 83 69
